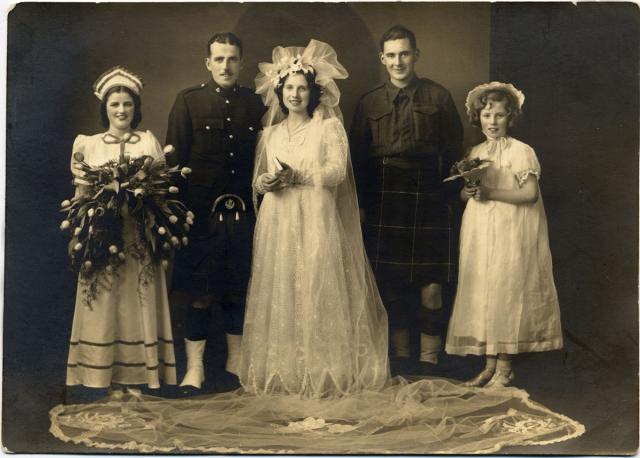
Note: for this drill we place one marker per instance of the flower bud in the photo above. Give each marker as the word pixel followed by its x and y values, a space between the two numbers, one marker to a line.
pixel 175 241
pixel 121 256
pixel 77 246
pixel 65 203
pixel 162 230
pixel 126 137
pixel 174 189
pixel 77 231
pixel 189 220
pixel 88 264
pixel 65 225
pixel 166 246
pixel 78 156
pixel 173 219
pixel 113 249
pixel 185 241
pixel 91 212
pixel 168 149
pixel 185 171
pixel 190 214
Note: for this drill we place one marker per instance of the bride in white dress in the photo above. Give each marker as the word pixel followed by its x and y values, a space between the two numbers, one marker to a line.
pixel 314 368
pixel 315 323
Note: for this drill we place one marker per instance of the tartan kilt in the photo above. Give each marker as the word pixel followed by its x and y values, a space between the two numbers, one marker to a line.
pixel 408 227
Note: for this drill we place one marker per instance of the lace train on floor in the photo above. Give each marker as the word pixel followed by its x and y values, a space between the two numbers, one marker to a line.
pixel 427 416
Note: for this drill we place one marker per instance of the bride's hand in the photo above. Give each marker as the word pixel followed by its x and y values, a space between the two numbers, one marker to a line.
pixel 270 182
pixel 286 175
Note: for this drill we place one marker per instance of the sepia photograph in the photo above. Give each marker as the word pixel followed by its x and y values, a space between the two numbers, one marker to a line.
pixel 350 228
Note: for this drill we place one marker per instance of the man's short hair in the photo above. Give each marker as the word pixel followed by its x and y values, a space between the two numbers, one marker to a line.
pixel 227 38
pixel 398 32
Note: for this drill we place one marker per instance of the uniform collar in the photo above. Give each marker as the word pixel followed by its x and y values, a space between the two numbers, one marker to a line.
pixel 221 91
pixel 393 90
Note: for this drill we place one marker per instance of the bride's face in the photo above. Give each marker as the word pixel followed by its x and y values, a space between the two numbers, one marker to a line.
pixel 295 93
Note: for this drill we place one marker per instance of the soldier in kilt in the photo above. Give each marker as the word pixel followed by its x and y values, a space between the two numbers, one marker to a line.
pixel 405 135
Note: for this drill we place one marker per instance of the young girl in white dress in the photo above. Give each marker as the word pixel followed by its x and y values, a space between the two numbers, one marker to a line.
pixel 122 335
pixel 506 302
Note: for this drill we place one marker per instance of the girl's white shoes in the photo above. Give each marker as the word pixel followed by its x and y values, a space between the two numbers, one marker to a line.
pixel 500 379
pixel 491 379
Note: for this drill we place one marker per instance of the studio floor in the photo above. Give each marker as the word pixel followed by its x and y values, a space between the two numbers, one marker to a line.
pixel 602 395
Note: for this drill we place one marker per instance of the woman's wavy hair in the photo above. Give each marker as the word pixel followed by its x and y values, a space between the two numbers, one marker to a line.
pixel 314 95
pixel 137 104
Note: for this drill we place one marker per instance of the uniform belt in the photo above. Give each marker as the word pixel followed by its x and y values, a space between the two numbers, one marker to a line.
pixel 229 203
pixel 410 162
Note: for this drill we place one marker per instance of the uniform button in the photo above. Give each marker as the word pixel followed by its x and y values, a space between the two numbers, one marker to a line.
pixel 227 101
pixel 231 154
pixel 250 128
pixel 217 89
pixel 229 119
pixel 230 136
pixel 207 127
pixel 233 172
pixel 202 85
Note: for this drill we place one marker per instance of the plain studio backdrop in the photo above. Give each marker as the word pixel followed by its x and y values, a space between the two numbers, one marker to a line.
pixel 576 64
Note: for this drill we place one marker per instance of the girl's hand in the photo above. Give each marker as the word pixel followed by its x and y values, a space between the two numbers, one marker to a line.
pixel 470 190
pixel 482 193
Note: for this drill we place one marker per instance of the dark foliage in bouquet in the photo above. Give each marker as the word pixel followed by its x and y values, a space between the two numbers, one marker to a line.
pixel 469 169
pixel 140 188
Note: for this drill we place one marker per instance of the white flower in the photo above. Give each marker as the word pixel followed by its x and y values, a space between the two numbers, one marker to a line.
pixel 185 171
pixel 162 230
pixel 88 264
pixel 185 241
pixel 113 249
pixel 173 219
pixel 77 231
pixel 190 214
pixel 91 212
pixel 65 225
pixel 168 149
pixel 174 189
pixel 77 246
pixel 189 220
pixel 65 203
pixel 175 241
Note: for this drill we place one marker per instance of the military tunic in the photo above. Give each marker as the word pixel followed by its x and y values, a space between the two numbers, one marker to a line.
pixel 403 142
pixel 214 131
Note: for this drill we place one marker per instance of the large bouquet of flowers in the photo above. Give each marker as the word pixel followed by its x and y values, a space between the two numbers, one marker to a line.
pixel 141 188
pixel 470 170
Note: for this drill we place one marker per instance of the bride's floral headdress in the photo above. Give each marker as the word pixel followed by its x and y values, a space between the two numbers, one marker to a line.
pixel 317 58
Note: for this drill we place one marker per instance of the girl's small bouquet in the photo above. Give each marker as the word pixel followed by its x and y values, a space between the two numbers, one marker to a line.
pixel 470 170
pixel 139 188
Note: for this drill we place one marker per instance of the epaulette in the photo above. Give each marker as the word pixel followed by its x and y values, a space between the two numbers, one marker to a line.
pixel 380 86
pixel 194 88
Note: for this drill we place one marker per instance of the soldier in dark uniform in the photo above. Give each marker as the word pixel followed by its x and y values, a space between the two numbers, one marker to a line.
pixel 213 128
pixel 405 135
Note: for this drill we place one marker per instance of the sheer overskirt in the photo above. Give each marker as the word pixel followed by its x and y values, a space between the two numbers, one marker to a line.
pixel 426 416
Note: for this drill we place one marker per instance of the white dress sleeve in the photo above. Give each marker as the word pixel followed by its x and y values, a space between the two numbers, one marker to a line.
pixel 526 163
pixel 333 168
pixel 153 147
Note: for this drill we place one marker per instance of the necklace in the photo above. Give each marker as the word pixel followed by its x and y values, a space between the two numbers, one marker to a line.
pixel 292 131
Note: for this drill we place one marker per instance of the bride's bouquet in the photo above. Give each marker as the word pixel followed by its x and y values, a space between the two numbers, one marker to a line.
pixel 470 170
pixel 141 188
